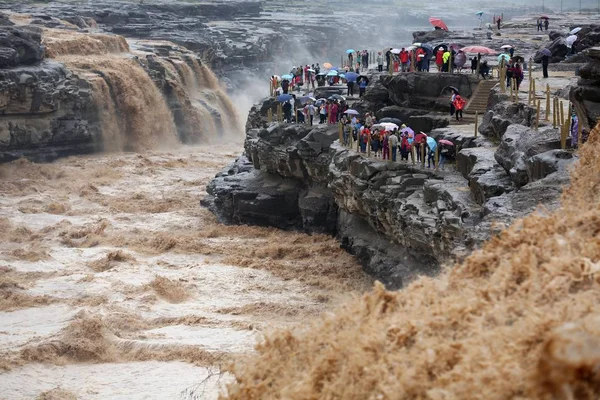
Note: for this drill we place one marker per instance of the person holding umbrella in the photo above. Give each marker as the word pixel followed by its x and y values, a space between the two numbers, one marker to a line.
pixel 545 60
pixel 439 59
pixel 379 62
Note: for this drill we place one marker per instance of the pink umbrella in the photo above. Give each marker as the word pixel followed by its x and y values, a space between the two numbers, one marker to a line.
pixel 420 136
pixel 447 142
pixel 478 49
pixel 438 23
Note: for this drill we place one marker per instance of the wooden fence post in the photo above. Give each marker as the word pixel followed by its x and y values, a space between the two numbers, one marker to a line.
pixel 529 93
pixel 537 116
pixel 476 122
pixel 563 136
pixel 412 153
pixel 341 133
pixel 562 111
pixel 547 102
pixel 437 157
pixel 423 144
pixel 369 144
pixel 269 115
pixel 516 90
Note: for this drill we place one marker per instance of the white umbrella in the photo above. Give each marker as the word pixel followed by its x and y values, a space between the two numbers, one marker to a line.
pixel 410 48
pixel 571 39
pixel 506 46
pixel 574 31
pixel 351 112
pixel 396 51
pixel 417 44
pixel 388 126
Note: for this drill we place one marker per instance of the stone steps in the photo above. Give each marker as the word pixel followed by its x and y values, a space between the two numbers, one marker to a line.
pixel 479 100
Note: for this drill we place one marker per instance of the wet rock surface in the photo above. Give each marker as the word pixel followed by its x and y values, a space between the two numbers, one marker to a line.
pixel 400 220
pixel 47 112
pixel 20 45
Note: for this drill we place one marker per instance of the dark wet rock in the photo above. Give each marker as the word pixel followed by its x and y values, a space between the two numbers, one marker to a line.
pixel 426 90
pixel 46 113
pixel 430 36
pixel 20 45
pixel 586 95
pixel 503 113
pixel 541 165
pixel 401 113
pixel 558 48
pixel 519 144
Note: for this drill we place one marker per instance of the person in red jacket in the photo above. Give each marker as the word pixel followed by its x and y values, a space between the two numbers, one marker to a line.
pixel 420 57
pixel 459 104
pixel 439 58
pixel 404 57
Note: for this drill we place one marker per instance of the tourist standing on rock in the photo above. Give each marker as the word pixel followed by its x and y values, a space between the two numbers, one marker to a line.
pixel 404 147
pixel 546 23
pixel 518 74
pixel 287 111
pixel 430 154
pixel 545 61
pixel 334 113
pixel 459 104
pixel 385 145
pixel 393 144
pixel 498 22
pixel 322 113
pixel 404 56
pixel 574 130
pixel 509 73
pixel 309 111
pixel 317 69
pixel 446 60
pixel 443 151
pixel 379 62
pixel 439 59
pixel 539 24
pixel 473 65
pixel 366 59
pixel 362 87
pixel 388 58
pixel 350 91
pixel 285 85
pixel 350 60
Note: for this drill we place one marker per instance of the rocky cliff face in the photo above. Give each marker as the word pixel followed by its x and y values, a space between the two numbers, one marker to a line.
pixel 400 220
pixel 586 95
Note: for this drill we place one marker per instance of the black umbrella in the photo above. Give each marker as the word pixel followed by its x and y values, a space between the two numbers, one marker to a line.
pixel 443 45
pixel 361 78
pixel 392 120
pixel 518 58
pixel 452 88
pixel 336 97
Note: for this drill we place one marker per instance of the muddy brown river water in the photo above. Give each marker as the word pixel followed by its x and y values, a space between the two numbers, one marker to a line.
pixel 116 284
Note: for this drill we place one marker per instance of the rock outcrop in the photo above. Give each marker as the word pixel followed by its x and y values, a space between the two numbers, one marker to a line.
pixel 586 95
pixel 20 45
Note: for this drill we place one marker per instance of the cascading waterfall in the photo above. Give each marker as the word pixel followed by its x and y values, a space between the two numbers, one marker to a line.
pixel 143 119
pixel 133 114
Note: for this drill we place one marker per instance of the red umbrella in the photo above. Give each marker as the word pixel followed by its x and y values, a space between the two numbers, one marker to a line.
pixel 478 49
pixel 437 22
pixel 447 142
pixel 419 137
pixel 544 17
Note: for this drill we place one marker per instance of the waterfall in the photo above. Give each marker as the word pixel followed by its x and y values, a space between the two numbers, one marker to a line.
pixel 143 100
pixel 133 113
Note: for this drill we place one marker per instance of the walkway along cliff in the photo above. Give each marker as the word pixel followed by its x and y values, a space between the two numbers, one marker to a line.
pixel 400 220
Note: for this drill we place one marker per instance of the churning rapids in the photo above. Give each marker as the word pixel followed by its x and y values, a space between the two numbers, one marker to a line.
pixel 114 282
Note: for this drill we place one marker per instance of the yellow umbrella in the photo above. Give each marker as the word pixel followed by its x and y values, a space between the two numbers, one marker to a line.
pixel 327 65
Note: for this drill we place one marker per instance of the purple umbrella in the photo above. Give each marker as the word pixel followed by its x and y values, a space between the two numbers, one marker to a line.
pixel 546 52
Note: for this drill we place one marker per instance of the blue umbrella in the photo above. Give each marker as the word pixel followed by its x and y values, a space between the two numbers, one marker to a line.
pixel 479 13
pixel 352 76
pixel 332 73
pixel 333 68
pixel 350 51
pixel 288 77
pixel 546 52
pixel 343 76
pixel 282 98
pixel 431 143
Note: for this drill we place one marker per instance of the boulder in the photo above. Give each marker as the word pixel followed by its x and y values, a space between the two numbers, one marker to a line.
pixel 20 45
pixel 519 144
pixel 426 90
pixel 429 36
pixel 503 113
pixel 586 95
pixel 558 48
pixel 401 113
pixel 541 165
